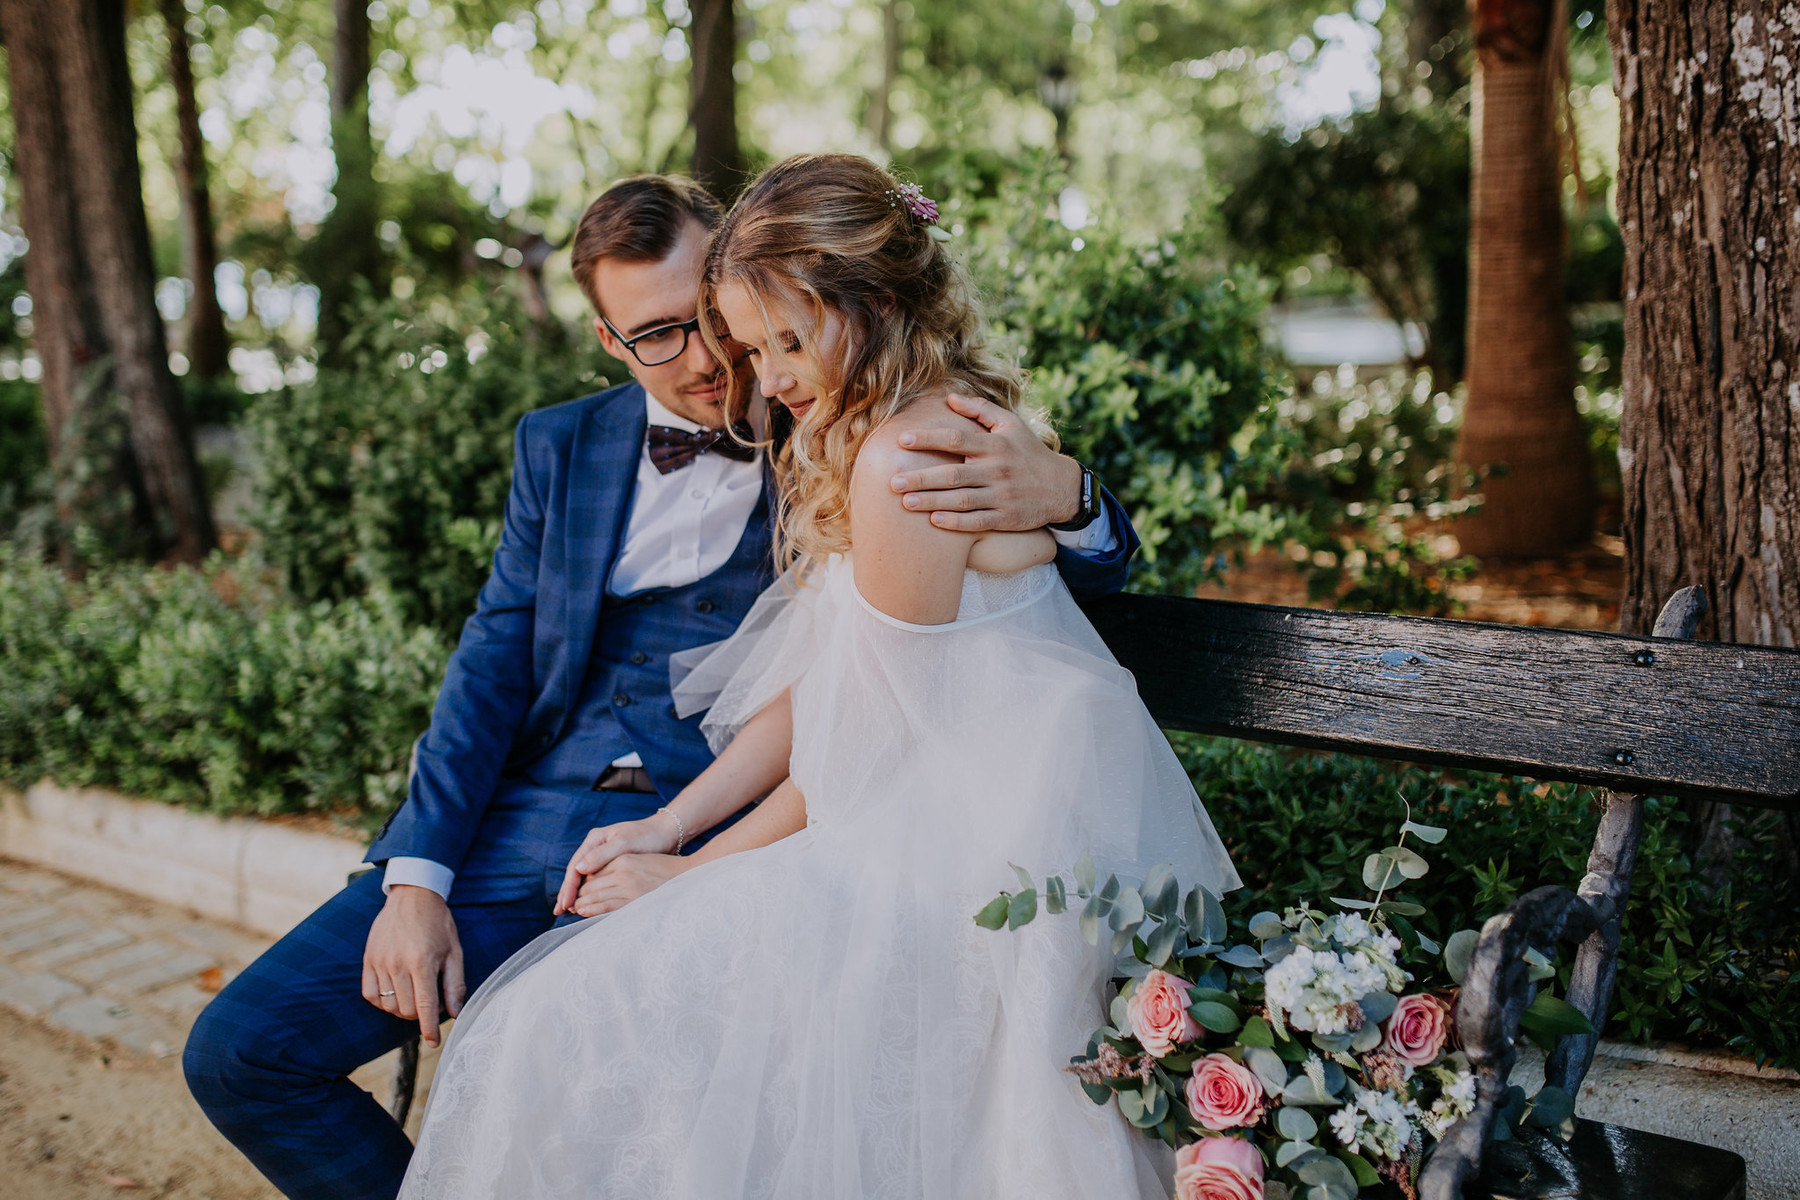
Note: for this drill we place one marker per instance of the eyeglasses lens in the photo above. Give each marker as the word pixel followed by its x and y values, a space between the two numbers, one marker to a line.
pixel 661 345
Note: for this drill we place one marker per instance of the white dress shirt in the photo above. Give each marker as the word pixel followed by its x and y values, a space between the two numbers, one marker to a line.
pixel 681 528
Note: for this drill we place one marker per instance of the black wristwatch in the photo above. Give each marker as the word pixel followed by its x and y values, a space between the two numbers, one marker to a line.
pixel 1089 512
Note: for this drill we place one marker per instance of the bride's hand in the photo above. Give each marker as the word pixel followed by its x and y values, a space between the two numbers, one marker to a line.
pixel 655 834
pixel 624 879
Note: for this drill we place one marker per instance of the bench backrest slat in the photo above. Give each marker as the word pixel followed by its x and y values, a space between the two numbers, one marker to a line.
pixel 1637 714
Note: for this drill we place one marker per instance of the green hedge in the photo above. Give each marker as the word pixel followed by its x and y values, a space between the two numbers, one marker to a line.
pixel 1696 965
pixel 210 689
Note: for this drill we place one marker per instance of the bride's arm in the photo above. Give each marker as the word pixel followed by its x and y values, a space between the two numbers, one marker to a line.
pixel 748 769
pixel 905 566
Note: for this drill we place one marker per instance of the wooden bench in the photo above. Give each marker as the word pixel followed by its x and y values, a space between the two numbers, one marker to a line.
pixel 1632 715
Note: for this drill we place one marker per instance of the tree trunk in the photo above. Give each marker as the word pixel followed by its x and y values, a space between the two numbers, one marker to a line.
pixel 112 410
pixel 881 104
pixel 1520 413
pixel 1435 37
pixel 207 341
pixel 712 99
pixel 1709 197
pixel 347 248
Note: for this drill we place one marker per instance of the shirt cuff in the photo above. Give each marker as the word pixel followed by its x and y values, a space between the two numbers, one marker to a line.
pixel 418 872
pixel 1097 539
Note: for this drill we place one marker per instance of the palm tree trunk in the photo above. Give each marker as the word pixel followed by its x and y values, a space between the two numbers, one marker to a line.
pixel 207 341
pixel 1709 443
pixel 1520 416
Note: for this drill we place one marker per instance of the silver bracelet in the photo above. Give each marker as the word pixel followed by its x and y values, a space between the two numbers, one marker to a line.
pixel 680 828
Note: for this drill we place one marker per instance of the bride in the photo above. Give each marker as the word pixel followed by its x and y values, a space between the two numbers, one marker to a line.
pixel 821 1018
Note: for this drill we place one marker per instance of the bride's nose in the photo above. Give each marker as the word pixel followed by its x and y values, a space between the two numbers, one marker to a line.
pixel 774 380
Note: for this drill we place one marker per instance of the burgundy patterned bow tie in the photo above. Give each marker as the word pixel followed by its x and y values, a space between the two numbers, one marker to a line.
pixel 672 449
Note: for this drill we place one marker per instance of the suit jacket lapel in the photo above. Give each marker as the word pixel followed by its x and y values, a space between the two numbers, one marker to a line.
pixel 603 475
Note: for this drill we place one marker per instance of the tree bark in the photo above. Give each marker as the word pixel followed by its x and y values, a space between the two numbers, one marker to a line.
pixel 207 341
pixel 881 103
pixel 712 99
pixel 1709 197
pixel 347 248
pixel 107 388
pixel 1520 413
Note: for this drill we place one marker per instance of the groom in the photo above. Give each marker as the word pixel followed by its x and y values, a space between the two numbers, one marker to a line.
pixel 633 530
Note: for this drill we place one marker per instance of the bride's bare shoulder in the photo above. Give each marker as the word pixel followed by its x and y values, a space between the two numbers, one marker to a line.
pixel 881 455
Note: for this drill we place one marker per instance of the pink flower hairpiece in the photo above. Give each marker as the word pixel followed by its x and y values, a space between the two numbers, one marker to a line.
pixel 921 206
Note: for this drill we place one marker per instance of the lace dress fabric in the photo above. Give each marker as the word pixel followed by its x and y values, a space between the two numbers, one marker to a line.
pixel 822 1018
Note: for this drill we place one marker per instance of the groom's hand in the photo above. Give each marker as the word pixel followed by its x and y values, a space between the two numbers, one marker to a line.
pixel 413 946
pixel 1008 478
pixel 623 880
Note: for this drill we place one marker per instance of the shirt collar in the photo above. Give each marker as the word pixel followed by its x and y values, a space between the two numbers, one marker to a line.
pixel 659 414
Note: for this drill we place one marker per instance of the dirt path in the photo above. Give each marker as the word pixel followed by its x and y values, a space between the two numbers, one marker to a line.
pixel 78 1122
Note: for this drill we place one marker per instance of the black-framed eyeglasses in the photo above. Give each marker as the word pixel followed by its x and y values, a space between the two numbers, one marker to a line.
pixel 654 347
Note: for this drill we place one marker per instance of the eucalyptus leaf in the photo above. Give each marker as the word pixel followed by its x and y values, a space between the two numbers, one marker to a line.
pixel 1120 1013
pixel 1131 1105
pixel 1301 1090
pixel 1109 891
pixel 1425 833
pixel 1271 1071
pixel 1214 1016
pixel 1352 904
pixel 993 915
pixel 1212 924
pixel 1056 897
pixel 1296 1124
pixel 1099 1093
pixel 1256 1032
pixel 1332 1041
pixel 1378 1006
pixel 1328 1172
pixel 1091 914
pixel 1023 909
pixel 1025 879
pixel 1084 873
pixel 1162 895
pixel 1411 864
pixel 1457 952
pixel 1403 908
pixel 1425 943
pixel 1161 944
pixel 1288 1153
pixel 1266 925
pixel 1365 1039
pixel 1246 957
pixel 1128 910
pixel 1334 1079
pixel 1379 871
pixel 1123 938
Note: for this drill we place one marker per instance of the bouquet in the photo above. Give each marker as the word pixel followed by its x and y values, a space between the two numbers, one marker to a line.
pixel 1298 1056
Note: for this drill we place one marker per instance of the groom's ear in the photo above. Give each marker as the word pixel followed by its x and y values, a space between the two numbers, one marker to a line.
pixel 608 342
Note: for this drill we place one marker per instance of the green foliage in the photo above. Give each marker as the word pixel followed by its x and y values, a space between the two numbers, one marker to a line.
pixel 1151 359
pixel 25 482
pixel 1696 965
pixel 392 472
pixel 209 689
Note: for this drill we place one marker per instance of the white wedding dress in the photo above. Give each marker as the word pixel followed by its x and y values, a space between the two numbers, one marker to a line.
pixel 822 1019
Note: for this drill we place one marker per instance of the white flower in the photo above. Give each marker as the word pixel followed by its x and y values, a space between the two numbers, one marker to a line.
pixel 1316 987
pixel 1380 1122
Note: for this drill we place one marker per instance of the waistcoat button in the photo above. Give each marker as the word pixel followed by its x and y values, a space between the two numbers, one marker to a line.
pixel 638 658
pixel 705 606
pixel 620 699
pixel 647 601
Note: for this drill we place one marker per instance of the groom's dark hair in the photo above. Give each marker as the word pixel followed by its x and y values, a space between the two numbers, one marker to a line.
pixel 638 220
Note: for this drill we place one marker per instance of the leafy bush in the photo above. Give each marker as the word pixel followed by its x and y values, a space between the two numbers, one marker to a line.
pixel 391 472
pixel 25 452
pixel 1152 359
pixel 210 689
pixel 1695 965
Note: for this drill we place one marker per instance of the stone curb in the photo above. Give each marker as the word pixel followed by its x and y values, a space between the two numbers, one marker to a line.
pixel 260 875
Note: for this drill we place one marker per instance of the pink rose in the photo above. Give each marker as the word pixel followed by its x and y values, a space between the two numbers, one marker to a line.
pixel 1415 1031
pixel 1223 1094
pixel 1158 1012
pixel 1220 1168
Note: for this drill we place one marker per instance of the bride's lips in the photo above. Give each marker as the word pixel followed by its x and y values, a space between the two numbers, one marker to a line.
pixel 798 410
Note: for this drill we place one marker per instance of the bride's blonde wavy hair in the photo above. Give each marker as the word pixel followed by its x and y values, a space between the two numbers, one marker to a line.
pixel 831 232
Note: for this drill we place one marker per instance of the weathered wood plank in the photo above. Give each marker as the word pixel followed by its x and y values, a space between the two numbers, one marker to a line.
pixel 1637 714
